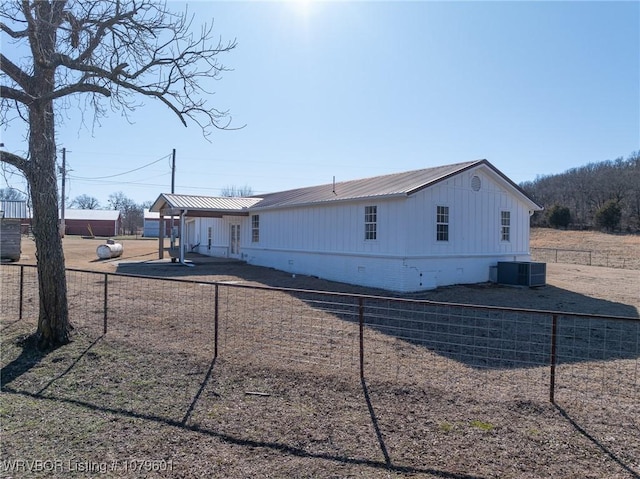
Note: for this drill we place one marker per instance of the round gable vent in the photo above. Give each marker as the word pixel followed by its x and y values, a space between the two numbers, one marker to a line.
pixel 476 183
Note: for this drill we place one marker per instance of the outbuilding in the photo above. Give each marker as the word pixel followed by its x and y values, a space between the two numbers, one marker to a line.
pixel 92 222
pixel 409 231
pixel 13 214
pixel 151 225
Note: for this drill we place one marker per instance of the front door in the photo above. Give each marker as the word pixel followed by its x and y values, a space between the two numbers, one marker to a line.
pixel 234 249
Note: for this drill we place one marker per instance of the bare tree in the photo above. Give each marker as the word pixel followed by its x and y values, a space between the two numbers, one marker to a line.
pixel 120 50
pixel 85 202
pixel 11 194
pixel 132 213
pixel 587 189
pixel 236 191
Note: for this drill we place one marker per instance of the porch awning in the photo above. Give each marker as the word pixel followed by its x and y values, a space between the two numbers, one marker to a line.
pixel 169 204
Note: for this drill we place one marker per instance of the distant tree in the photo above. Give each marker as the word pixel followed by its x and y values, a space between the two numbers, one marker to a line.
pixel 631 208
pixel 11 194
pixel 559 216
pixel 586 189
pixel 118 200
pixel 133 219
pixel 236 191
pixel 85 202
pixel 608 215
pixel 132 214
pixel 56 52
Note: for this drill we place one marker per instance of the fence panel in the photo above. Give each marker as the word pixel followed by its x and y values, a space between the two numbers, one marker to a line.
pixel 85 295
pixel 18 292
pixel 504 351
pixel 598 379
pixel 282 327
pixel 179 315
pixel 586 257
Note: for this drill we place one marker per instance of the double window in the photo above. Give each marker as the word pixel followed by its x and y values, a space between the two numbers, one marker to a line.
pixel 505 225
pixel 442 223
pixel 370 222
pixel 255 228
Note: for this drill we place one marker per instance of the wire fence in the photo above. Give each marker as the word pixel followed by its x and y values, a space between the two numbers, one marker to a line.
pixel 585 257
pixel 577 360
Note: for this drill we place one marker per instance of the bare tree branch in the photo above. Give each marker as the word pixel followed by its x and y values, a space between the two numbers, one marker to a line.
pixel 14 94
pixel 15 73
pixel 13 33
pixel 77 88
pixel 14 160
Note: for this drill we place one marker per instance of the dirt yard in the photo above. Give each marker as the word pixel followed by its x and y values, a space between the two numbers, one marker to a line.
pixel 570 287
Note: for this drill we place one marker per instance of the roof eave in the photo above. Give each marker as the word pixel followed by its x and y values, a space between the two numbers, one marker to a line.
pixel 446 177
pixel 157 204
pixel 534 206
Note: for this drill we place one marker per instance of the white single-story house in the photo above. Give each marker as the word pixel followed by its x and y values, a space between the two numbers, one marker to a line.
pixel 402 232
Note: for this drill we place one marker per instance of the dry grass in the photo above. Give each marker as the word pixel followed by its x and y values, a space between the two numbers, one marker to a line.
pixel 151 390
pixel 586 247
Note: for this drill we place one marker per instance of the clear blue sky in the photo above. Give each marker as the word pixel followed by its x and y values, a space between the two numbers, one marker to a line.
pixel 357 89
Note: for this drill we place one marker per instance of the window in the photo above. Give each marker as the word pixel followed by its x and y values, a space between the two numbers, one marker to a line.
pixel 370 222
pixel 209 236
pixel 255 228
pixel 505 222
pixel 442 223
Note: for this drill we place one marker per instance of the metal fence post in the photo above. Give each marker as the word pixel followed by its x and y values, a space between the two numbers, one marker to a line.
pixel 361 321
pixel 215 323
pixel 105 303
pixel 554 342
pixel 21 291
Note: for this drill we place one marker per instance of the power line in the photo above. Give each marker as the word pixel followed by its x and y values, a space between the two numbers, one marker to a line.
pixel 121 174
pixel 108 182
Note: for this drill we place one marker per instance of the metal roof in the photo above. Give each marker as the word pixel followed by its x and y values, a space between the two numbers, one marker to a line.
pixel 152 215
pixel 202 205
pixel 14 209
pixel 397 184
pixel 94 215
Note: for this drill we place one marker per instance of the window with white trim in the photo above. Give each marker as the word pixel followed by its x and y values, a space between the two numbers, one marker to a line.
pixel 442 223
pixel 255 228
pixel 370 222
pixel 505 225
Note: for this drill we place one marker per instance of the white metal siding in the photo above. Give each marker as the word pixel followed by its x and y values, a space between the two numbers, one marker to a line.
pixel 328 240
pixel 219 237
pixel 474 219
pixel 337 228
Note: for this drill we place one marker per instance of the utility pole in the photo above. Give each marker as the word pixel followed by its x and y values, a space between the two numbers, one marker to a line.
pixel 172 242
pixel 173 172
pixel 63 170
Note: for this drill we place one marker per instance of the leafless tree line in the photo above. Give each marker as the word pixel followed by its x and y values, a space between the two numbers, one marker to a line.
pixel 587 189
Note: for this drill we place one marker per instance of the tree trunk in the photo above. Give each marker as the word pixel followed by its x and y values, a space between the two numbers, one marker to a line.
pixel 53 321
